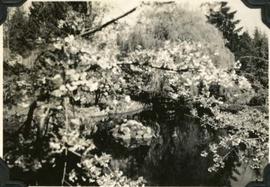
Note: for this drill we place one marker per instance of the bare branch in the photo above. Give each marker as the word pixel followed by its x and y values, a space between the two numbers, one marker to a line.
pixel 164 3
pixel 254 57
pixel 158 3
pixel 65 168
pixel 66 149
pixel 87 33
pixel 26 127
pixel 157 67
pixel 44 122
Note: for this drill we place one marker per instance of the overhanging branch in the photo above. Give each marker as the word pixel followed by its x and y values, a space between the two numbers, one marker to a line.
pixel 87 33
pixel 157 67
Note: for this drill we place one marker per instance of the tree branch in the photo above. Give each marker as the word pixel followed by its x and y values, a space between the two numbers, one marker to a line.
pixel 66 149
pixel 44 122
pixel 107 23
pixel 254 57
pixel 27 124
pixel 65 168
pixel 164 3
pixel 156 67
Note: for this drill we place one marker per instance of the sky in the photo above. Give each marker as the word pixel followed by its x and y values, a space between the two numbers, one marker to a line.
pixel 250 18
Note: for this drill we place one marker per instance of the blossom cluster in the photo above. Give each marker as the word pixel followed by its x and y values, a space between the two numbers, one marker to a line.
pixel 187 66
pixel 246 136
pixel 132 134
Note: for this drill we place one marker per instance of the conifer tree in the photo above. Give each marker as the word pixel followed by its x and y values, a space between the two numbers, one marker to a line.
pixel 251 51
pixel 224 20
pixel 15 31
pixel 41 25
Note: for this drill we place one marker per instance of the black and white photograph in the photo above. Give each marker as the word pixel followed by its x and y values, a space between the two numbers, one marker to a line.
pixel 135 93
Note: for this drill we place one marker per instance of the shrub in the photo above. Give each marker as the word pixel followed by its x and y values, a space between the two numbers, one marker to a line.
pixel 173 22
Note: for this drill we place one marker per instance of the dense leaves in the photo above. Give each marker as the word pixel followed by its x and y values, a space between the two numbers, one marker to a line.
pixel 89 103
pixel 250 49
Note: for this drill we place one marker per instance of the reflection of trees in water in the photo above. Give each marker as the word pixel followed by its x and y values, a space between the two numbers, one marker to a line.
pixel 174 157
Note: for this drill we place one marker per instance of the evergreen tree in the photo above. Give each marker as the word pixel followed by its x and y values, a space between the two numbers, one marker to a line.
pixel 260 57
pixel 252 52
pixel 45 17
pixel 16 30
pixel 224 20
pixel 41 26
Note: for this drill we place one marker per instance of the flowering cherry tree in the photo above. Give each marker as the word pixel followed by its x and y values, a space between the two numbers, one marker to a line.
pixel 86 93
